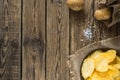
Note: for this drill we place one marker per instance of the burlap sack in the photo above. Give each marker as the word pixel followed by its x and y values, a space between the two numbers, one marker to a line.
pixel 75 60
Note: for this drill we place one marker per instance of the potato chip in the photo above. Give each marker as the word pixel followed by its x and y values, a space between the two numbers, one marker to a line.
pixel 96 54
pixel 101 62
pixel 87 68
pixel 108 75
pixel 88 79
pixel 103 58
pixel 102 66
pixel 111 67
pixel 110 55
pixel 100 76
pixel 114 61
pixel 114 73
pixel 118 59
pixel 117 78
pixel 117 66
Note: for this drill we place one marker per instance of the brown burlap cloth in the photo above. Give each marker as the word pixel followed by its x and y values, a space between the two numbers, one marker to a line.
pixel 75 60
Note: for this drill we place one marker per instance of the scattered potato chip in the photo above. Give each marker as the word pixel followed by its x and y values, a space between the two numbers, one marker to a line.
pixel 87 68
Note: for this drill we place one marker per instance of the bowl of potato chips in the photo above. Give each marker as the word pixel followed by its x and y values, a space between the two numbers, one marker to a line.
pixel 97 61
pixel 101 65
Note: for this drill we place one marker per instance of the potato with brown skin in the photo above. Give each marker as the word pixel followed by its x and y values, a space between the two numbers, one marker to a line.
pixel 103 14
pixel 75 5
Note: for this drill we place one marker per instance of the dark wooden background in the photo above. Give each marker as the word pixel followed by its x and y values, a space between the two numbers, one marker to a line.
pixel 37 36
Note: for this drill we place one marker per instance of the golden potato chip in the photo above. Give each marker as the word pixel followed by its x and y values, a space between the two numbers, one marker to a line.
pixel 117 78
pixel 102 66
pixel 114 61
pixel 114 73
pixel 100 76
pixel 116 66
pixel 96 54
pixel 111 67
pixel 88 79
pixel 100 61
pixel 110 55
pixel 87 68
pixel 108 75
pixel 118 59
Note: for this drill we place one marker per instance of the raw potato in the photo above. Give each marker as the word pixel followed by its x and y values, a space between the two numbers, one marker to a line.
pixel 103 14
pixel 101 66
pixel 76 5
pixel 87 68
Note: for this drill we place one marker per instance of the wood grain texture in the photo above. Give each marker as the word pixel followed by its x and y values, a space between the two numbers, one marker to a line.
pixel 57 40
pixel 10 34
pixel 50 33
pixel 33 56
pixel 81 26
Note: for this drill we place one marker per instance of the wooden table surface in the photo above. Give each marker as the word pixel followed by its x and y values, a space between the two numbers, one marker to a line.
pixel 37 36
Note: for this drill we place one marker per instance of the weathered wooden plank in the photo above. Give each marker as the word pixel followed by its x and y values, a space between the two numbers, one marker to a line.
pixel 10 15
pixel 57 40
pixel 81 26
pixel 33 67
pixel 10 35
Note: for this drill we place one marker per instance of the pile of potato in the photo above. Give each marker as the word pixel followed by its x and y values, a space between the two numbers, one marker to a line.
pixel 101 65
